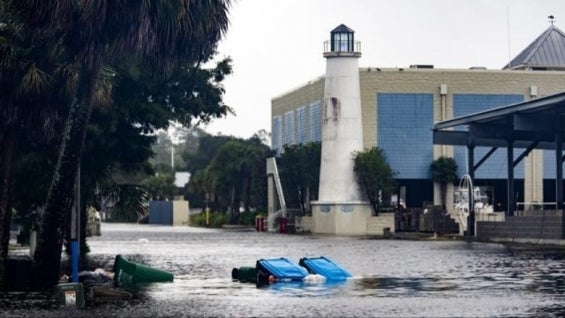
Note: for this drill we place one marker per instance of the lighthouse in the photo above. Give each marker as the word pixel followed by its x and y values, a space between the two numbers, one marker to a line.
pixel 340 209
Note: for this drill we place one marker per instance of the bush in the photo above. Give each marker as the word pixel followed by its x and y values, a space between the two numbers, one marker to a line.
pixel 248 218
pixel 216 219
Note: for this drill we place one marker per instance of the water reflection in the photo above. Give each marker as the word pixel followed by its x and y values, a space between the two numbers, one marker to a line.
pixel 303 289
pixel 394 286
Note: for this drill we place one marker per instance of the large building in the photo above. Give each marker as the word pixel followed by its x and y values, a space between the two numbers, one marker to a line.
pixel 401 105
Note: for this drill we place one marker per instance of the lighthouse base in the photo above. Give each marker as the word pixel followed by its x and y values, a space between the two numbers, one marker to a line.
pixel 349 218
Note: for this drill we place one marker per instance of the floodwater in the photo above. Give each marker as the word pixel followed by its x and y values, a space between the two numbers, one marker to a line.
pixel 392 278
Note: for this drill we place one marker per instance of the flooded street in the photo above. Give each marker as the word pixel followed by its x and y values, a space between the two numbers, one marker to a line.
pixel 391 278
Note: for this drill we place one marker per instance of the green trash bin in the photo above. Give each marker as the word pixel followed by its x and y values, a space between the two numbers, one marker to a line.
pixel 245 274
pixel 127 273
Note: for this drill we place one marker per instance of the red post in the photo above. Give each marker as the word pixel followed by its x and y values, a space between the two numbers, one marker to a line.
pixel 282 224
pixel 259 224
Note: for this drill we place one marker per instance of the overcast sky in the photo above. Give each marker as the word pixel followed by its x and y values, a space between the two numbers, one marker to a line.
pixel 277 45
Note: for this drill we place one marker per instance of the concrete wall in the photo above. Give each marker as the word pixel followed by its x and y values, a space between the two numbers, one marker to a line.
pixel 347 219
pixel 181 212
pixel 351 219
pixel 543 226
pixel 324 218
pixel 377 224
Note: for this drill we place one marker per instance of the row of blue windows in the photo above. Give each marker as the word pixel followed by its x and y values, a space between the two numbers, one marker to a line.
pixel 301 133
pixel 305 133
pixel 404 132
pixel 495 167
pixel 289 128
pixel 276 134
pixel 549 165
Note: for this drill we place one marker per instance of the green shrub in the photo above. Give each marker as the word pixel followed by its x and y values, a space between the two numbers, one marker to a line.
pixel 248 218
pixel 216 219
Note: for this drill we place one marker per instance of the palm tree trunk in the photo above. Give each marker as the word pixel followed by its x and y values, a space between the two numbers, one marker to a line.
pixel 247 197
pixel 9 148
pixel 443 190
pixel 47 258
pixel 235 202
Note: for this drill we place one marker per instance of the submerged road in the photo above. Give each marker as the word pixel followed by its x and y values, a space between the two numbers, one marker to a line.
pixel 392 278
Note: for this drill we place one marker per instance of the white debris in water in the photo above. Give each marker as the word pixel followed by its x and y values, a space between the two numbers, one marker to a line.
pixel 314 279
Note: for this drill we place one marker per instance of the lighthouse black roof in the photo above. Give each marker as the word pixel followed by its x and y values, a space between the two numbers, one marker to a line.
pixel 342 28
pixel 547 51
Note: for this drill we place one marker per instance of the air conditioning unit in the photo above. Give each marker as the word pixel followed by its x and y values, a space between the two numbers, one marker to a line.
pixel 421 66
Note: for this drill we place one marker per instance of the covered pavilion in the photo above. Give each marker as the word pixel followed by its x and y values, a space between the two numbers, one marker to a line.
pixel 525 126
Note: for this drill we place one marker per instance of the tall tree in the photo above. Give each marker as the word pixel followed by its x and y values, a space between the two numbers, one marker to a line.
pixel 33 86
pixel 202 187
pixel 374 175
pixel 300 171
pixel 231 165
pixel 94 32
pixel 235 175
pixel 255 190
pixel 444 171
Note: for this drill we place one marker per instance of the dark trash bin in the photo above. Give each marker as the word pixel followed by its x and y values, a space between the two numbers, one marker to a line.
pixel 18 272
pixel 283 223
pixel 245 274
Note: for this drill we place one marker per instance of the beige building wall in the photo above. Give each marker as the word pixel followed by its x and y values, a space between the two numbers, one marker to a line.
pixel 409 80
pixel 305 95
pixel 443 83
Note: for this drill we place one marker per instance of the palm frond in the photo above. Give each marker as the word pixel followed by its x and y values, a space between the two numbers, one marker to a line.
pixel 34 82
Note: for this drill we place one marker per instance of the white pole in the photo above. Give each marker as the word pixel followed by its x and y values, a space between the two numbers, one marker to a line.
pixel 173 156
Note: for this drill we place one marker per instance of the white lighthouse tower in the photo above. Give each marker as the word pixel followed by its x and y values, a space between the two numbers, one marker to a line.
pixel 339 209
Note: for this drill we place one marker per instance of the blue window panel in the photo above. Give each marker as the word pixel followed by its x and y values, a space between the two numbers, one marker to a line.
pixel 289 128
pixel 405 122
pixel 495 166
pixel 276 141
pixel 301 133
pixel 549 165
pixel 466 104
pixel 316 121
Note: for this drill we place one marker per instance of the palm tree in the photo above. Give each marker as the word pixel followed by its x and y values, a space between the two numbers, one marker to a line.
pixel 444 171
pixel 29 74
pixel 160 33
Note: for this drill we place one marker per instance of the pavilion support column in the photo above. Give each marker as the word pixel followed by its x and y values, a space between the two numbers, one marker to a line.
pixel 559 168
pixel 511 205
pixel 471 172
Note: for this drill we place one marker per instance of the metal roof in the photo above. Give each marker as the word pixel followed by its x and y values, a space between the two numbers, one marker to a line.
pixel 546 51
pixel 342 28
pixel 531 124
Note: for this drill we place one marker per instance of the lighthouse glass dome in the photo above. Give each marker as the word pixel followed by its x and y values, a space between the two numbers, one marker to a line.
pixel 342 39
